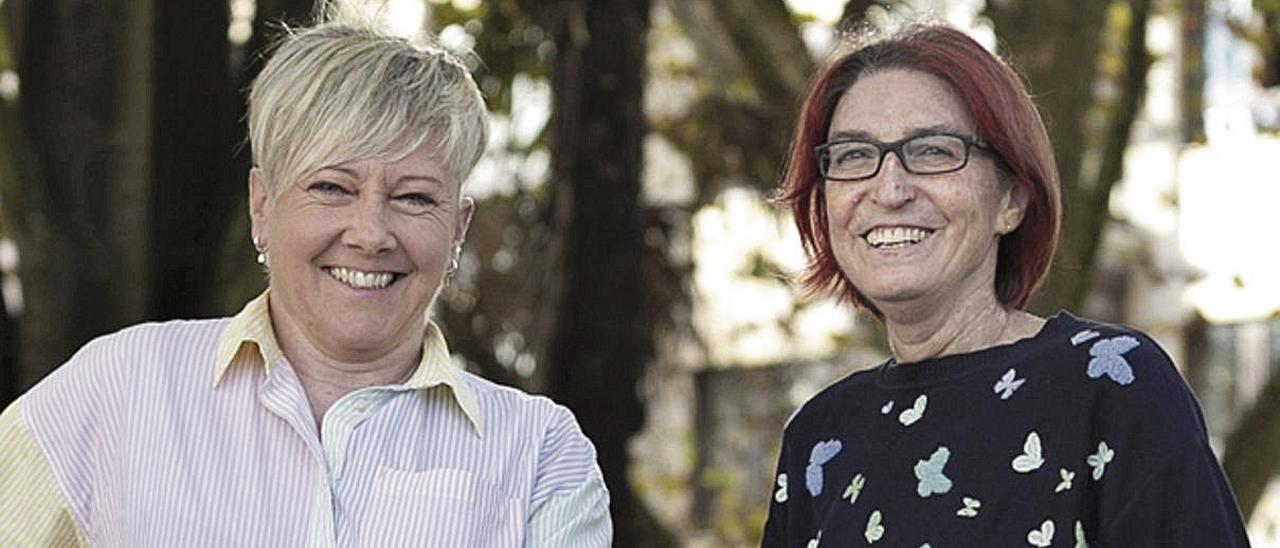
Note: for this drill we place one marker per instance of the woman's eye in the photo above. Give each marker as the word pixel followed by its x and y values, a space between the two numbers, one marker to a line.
pixel 416 200
pixel 325 187
pixel 854 155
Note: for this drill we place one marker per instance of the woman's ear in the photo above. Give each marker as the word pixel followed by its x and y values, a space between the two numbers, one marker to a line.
pixel 1015 208
pixel 466 208
pixel 259 202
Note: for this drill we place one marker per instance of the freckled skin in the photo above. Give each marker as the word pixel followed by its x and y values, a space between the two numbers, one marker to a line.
pixel 404 217
pixel 966 209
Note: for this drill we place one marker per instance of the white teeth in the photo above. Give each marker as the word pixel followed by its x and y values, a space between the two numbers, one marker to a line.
pixel 898 235
pixel 361 280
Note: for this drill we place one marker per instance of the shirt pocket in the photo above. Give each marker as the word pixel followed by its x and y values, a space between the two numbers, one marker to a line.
pixel 444 507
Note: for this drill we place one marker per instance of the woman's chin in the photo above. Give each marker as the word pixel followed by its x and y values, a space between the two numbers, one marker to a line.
pixel 896 288
pixel 359 341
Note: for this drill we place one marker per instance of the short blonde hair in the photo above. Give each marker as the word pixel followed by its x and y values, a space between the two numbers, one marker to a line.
pixel 342 91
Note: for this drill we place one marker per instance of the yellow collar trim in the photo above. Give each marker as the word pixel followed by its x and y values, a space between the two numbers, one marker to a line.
pixel 250 331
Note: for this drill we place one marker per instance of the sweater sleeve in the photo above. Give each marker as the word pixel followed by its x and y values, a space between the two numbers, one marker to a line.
pixel 789 505
pixel 1170 491
pixel 775 527
pixel 33 511
pixel 1183 502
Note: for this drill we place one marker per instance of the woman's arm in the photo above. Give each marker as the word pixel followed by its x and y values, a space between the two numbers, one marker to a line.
pixel 1174 492
pixel 33 510
pixel 570 504
pixel 1185 502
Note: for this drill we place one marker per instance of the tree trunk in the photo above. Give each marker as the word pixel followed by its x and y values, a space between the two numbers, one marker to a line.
pixel 777 62
pixel 8 352
pixel 1083 224
pixel 752 54
pixel 193 128
pixel 1252 456
pixel 69 207
pixel 602 337
pixel 10 146
pixel 1057 46
pixel 1192 70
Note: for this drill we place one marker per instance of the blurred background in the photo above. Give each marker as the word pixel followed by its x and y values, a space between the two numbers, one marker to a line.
pixel 625 259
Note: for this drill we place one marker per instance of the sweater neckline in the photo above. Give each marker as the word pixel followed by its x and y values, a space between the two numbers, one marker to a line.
pixel 892 374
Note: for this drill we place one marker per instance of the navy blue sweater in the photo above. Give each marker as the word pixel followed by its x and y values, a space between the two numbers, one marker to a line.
pixel 1084 433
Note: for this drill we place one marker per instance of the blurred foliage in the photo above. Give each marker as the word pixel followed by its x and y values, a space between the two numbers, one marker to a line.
pixel 508 42
pixel 1267 41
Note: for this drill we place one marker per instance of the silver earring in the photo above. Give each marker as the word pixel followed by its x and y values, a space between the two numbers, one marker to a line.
pixel 453 261
pixel 262 253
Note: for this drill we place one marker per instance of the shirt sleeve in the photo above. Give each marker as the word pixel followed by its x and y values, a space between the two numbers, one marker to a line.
pixel 579 517
pixel 570 502
pixel 33 510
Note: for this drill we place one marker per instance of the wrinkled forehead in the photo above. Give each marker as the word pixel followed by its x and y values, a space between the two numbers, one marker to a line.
pixel 894 104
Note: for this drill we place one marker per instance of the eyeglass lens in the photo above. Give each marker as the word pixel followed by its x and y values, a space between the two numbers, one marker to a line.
pixel 928 154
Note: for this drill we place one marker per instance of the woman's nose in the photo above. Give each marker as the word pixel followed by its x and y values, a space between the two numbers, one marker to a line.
pixel 892 186
pixel 370 230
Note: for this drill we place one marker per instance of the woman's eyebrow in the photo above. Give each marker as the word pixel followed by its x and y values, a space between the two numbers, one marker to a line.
pixel 936 129
pixel 851 134
pixel 424 178
pixel 861 135
pixel 343 169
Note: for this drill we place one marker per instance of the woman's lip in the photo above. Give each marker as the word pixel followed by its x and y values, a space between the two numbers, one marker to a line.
pixel 896 237
pixel 364 270
pixel 364 280
pixel 864 233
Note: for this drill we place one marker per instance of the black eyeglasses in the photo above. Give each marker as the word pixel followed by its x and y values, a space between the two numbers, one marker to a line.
pixel 932 154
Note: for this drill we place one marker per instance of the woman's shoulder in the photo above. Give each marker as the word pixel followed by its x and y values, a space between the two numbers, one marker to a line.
pixel 513 413
pixel 1113 356
pixel 151 337
pixel 1129 383
pixel 81 401
pixel 507 396
pixel 140 349
pixel 507 405
pixel 835 399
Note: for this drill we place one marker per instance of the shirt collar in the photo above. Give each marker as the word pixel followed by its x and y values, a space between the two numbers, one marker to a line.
pixel 250 331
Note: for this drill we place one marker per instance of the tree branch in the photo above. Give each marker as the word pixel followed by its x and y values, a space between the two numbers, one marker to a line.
pixel 1095 208
pixel 1252 455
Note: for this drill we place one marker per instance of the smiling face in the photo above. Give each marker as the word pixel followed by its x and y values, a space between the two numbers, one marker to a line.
pixel 357 251
pixel 906 239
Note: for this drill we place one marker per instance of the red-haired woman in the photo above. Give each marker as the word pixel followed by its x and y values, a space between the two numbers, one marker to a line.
pixel 924 189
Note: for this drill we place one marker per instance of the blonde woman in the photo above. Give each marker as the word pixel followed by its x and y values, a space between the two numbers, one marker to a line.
pixel 327 412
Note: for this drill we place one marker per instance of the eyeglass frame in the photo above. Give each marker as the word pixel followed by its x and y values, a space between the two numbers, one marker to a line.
pixel 896 147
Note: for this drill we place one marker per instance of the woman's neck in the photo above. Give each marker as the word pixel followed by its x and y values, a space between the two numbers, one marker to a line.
pixel 963 326
pixel 326 379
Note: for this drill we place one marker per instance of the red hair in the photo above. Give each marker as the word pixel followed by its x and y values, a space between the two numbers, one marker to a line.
pixel 1007 120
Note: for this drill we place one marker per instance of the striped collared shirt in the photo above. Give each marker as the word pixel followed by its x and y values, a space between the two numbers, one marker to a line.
pixel 131 444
